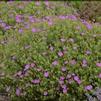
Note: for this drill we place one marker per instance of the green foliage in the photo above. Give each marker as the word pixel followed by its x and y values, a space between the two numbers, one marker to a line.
pixel 68 35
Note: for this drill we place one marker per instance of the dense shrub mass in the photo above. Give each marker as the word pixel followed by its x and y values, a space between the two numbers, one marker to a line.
pixel 88 9
pixel 47 53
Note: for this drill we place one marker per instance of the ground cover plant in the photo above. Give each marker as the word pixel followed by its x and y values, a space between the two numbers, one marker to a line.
pixel 47 53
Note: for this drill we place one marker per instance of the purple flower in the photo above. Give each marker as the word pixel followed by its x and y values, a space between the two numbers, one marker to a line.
pixel 65 90
pixel 76 78
pixel 63 69
pixel 18 18
pixel 64 86
pixel 7 27
pixel 18 91
pixel 27 26
pixel 50 23
pixel 60 54
pixel 84 63
pixel 98 64
pixel 3 24
pixel 88 26
pixel 31 19
pixel 55 63
pixel 37 3
pixel 36 81
pixel 46 74
pixel 88 87
pixel 72 17
pixel 62 78
pixel 34 30
pixel 27 66
pixel 45 93
pixel 62 17
pixel 20 30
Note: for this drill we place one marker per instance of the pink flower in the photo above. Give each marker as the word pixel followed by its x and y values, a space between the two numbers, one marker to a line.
pixel 98 64
pixel 51 48
pixel 39 69
pixel 78 27
pixel 20 30
pixel 34 30
pixel 55 63
pixel 18 91
pixel 32 64
pixel 88 52
pixel 68 76
pixel 45 93
pixel 71 40
pixel 63 69
pixel 79 81
pixel 19 73
pixel 88 87
pixel 31 19
pixel 65 90
pixel 84 63
pixel 61 82
pixel 50 23
pixel 37 3
pixel 62 78
pixel 36 81
pixel 46 3
pixel 62 40
pixel 82 33
pixel 73 62
pixel 27 66
pixel 66 62
pixel 70 81
pixel 99 75
pixel 64 86
pixel 60 54
pixel 46 74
